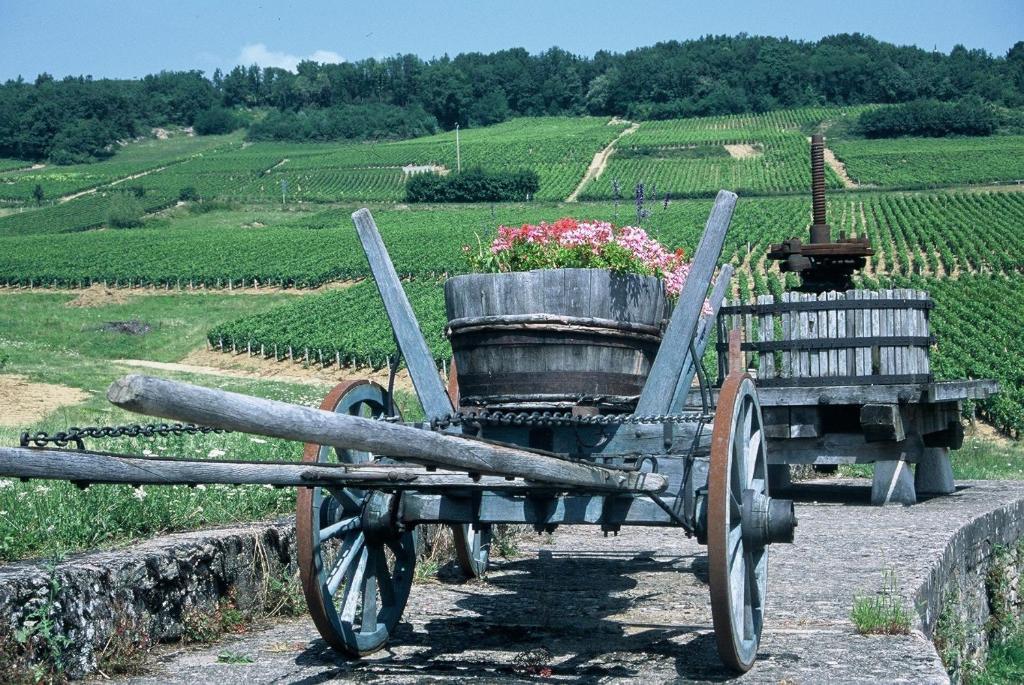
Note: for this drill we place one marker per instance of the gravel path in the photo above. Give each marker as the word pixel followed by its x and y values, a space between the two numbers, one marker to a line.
pixel 636 607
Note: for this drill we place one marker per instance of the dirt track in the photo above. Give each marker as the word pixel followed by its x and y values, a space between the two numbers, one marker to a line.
pixel 600 161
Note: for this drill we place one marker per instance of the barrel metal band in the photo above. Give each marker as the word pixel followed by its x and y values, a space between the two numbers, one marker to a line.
pixel 544 320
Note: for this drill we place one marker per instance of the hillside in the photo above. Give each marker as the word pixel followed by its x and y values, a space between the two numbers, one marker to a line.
pixel 217 212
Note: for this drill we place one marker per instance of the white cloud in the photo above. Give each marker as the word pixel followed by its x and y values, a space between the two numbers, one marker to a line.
pixel 257 53
pixel 326 57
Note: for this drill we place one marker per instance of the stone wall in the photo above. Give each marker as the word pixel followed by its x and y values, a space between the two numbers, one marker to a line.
pixel 973 595
pixel 144 594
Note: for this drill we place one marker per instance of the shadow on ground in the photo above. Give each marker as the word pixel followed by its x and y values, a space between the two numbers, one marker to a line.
pixel 577 611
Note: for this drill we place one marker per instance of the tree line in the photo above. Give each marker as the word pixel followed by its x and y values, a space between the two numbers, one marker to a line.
pixel 78 118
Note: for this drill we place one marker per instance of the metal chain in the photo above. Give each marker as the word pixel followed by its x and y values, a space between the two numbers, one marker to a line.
pixel 76 435
pixel 537 418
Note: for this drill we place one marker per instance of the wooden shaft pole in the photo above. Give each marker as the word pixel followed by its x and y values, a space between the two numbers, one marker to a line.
pixel 237 412
pixel 98 467
pixel 670 362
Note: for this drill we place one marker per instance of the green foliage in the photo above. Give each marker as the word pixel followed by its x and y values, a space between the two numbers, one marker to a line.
pixel 507 539
pixel 131 159
pixel 929 118
pixel 689 158
pixel 38 639
pixel 347 325
pixel 1005 662
pixel 124 210
pixel 474 185
pixel 883 613
pixel 228 656
pixel 127 648
pixel 79 120
pixel 188 194
pixel 951 635
pixel 345 122
pixel 216 120
pixel 930 162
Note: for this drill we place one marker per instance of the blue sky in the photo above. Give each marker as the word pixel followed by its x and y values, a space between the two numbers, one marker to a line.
pixel 130 39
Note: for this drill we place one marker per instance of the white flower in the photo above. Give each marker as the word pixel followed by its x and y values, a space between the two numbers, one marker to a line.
pixel 200 486
pixel 42 489
pixel 5 483
pixel 147 453
pixel 258 441
pixel 139 493
pixel 216 453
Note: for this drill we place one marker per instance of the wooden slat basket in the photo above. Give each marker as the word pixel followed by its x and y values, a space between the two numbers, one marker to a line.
pixel 854 337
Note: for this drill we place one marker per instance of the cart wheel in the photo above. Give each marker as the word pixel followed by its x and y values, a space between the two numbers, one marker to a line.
pixel 738 566
pixel 472 548
pixel 355 561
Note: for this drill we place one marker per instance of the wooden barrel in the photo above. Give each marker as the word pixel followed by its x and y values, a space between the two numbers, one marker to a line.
pixel 554 338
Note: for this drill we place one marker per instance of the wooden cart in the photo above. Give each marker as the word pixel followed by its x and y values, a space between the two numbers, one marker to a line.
pixel 368 478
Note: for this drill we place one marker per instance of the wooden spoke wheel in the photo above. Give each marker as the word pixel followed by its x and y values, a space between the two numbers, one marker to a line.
pixel 355 561
pixel 472 548
pixel 738 560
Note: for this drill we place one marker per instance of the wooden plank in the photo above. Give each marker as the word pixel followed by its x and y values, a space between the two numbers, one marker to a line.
pixel 889 366
pixel 901 393
pixel 788 370
pixel 834 363
pixel 234 411
pixel 425 378
pixel 703 336
pixel 923 353
pixel 908 326
pixel 843 360
pixel 97 467
pixel 748 334
pixel 945 391
pixel 804 422
pixel 808 365
pixel 497 508
pixel 824 357
pixel 876 330
pixel 668 367
pixel 903 324
pixel 767 334
pixel 882 422
pixel 838 448
pixel 856 325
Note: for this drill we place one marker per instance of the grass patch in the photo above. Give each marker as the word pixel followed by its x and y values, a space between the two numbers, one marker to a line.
pixel 38 329
pixel 45 341
pixel 1005 663
pixel 230 657
pixel 883 613
pixel 978 459
pixel 981 459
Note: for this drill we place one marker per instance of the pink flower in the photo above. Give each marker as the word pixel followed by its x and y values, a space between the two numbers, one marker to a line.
pixel 648 255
